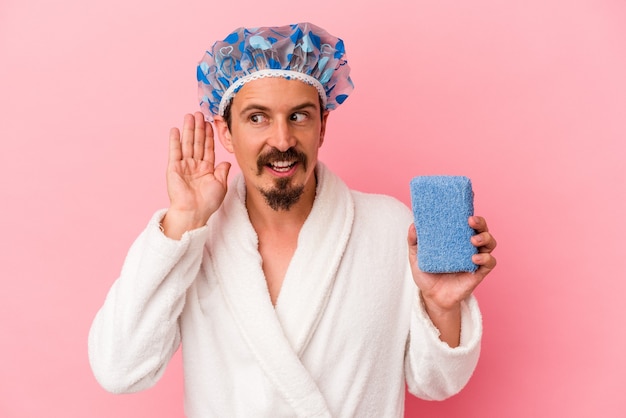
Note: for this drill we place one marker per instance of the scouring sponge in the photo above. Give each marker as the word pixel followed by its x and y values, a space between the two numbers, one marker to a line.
pixel 441 208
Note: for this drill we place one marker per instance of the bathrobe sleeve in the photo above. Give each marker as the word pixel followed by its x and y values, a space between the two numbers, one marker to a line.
pixel 136 332
pixel 434 370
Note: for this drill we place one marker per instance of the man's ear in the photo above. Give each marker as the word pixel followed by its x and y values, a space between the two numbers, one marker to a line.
pixel 323 128
pixel 223 133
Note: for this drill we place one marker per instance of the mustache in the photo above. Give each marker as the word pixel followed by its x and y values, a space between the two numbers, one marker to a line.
pixel 275 154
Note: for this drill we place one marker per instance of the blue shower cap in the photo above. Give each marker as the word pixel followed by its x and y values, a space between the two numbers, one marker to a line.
pixel 301 51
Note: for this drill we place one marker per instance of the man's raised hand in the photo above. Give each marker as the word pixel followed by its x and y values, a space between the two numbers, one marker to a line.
pixel 195 185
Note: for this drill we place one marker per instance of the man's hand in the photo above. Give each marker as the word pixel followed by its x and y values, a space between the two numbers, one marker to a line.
pixel 443 293
pixel 196 187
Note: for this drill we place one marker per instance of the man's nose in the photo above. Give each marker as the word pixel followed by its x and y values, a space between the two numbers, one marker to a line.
pixel 282 137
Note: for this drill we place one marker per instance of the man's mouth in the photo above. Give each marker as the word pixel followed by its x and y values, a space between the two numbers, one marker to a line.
pixel 281 162
pixel 282 166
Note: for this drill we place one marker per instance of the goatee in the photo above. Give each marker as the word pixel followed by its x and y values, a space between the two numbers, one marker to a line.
pixel 283 195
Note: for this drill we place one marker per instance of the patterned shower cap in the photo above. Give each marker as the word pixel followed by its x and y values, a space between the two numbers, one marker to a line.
pixel 301 51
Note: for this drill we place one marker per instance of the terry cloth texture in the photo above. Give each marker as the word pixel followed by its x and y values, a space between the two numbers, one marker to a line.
pixel 441 208
pixel 346 337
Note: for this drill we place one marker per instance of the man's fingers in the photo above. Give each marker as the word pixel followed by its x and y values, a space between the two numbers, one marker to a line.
pixel 484 241
pixel 221 172
pixel 199 136
pixel 209 144
pixel 188 136
pixel 412 235
pixel 478 223
pixel 485 261
pixel 175 151
pixel 411 240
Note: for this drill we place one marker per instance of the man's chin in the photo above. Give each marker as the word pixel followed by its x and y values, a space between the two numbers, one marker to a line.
pixel 284 183
pixel 282 198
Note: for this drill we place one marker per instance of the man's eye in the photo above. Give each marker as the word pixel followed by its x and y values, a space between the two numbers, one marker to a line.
pixel 298 117
pixel 256 118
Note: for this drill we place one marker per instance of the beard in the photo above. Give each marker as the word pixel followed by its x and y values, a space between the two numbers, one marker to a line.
pixel 283 195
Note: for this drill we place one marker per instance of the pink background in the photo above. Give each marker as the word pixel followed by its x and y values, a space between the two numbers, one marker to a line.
pixel 526 97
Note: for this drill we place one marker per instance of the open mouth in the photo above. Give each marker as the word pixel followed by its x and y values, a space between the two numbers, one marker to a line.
pixel 281 163
pixel 282 166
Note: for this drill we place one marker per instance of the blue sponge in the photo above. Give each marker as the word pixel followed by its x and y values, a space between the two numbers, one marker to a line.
pixel 441 207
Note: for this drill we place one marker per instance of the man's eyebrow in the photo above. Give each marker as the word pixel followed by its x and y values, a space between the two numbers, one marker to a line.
pixel 254 106
pixel 262 108
pixel 304 106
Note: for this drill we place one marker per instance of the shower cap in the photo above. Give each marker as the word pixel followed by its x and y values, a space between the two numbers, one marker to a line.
pixel 301 51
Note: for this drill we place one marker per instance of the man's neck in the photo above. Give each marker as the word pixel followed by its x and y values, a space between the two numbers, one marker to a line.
pixel 278 232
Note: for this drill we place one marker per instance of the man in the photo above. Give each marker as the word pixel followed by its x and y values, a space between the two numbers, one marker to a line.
pixel 291 294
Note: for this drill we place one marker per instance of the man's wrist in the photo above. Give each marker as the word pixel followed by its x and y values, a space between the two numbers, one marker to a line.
pixel 447 320
pixel 436 309
pixel 175 223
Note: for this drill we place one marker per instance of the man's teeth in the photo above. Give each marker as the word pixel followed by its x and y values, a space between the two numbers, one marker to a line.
pixel 282 165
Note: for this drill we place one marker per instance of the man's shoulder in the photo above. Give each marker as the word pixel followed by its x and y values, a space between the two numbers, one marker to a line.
pixel 376 198
pixel 380 203
pixel 374 203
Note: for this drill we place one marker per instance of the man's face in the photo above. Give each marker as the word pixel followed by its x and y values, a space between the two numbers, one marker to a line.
pixel 275 134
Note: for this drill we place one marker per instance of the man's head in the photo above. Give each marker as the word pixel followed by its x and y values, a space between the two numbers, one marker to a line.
pixel 275 133
pixel 269 91
pixel 301 51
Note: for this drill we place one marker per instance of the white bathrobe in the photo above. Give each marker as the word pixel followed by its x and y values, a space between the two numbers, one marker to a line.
pixel 347 331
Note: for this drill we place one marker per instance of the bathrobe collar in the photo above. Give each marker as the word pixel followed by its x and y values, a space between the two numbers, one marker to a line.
pixel 279 335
